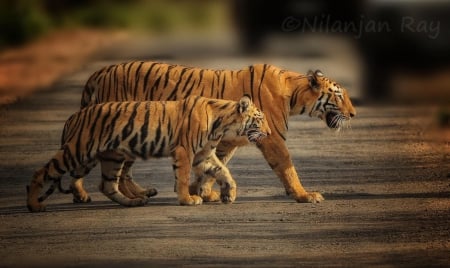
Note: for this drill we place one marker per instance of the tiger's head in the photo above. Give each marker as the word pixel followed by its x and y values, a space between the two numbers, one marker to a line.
pixel 328 101
pixel 254 125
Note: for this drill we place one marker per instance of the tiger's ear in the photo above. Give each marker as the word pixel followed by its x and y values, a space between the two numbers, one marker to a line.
pixel 312 78
pixel 244 103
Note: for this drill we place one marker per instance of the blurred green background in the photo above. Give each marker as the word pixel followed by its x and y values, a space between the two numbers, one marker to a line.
pixel 24 20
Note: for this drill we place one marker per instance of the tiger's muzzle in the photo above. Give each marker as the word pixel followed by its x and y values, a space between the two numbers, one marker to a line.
pixel 335 120
pixel 254 135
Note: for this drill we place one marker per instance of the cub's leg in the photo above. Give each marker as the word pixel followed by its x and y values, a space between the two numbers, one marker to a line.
pixel 212 167
pixel 224 152
pixel 129 187
pixel 182 168
pixel 111 166
pixel 80 195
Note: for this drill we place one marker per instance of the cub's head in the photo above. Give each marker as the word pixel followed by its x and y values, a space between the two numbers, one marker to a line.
pixel 254 124
pixel 329 101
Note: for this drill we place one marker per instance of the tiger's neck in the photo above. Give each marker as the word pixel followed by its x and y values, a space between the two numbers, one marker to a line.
pixel 225 120
pixel 298 91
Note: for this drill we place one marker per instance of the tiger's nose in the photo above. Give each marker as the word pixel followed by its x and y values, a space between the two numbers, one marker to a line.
pixel 352 114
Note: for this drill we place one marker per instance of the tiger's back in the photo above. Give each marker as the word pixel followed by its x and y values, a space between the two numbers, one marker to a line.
pixel 140 81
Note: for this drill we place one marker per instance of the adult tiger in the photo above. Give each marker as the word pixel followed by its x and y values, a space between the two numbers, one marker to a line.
pixel 278 93
pixel 187 130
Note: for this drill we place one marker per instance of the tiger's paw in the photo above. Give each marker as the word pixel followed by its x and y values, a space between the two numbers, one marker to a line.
pixel 191 200
pixel 211 196
pixel 311 197
pixel 35 206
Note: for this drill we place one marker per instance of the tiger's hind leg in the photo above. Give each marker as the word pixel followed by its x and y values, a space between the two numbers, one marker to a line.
pixel 80 195
pixel 53 170
pixel 111 166
pixel 129 187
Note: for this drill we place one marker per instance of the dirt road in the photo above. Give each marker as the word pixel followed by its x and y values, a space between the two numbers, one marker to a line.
pixel 385 180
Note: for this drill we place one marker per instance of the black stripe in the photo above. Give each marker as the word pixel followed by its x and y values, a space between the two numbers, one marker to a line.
pixel 279 132
pixel 175 89
pixel 160 152
pixel 223 84
pixel 128 129
pixel 118 111
pixel 103 125
pixel 261 82
pixel 132 144
pixel 149 71
pixel 128 76
pixel 252 74
pixel 90 144
pixel 55 164
pixel 167 75
pixel 303 110
pixel 106 178
pixel 144 128
pixel 136 80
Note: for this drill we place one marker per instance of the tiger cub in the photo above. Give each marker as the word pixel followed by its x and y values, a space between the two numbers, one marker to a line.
pixel 115 132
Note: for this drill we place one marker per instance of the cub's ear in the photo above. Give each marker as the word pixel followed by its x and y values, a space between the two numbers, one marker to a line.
pixel 244 103
pixel 312 78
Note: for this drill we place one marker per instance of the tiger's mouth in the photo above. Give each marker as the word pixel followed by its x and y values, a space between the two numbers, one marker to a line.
pixel 334 120
pixel 255 136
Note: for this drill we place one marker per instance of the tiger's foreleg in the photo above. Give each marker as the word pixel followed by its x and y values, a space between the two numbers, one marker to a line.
pixel 277 155
pixel 111 166
pixel 182 168
pixel 129 187
pixel 53 170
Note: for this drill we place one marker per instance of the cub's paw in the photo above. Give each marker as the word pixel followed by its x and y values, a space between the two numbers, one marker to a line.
pixel 150 192
pixel 228 193
pixel 310 197
pixel 212 196
pixel 191 200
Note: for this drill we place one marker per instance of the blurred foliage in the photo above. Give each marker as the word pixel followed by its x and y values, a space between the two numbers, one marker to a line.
pixel 23 20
